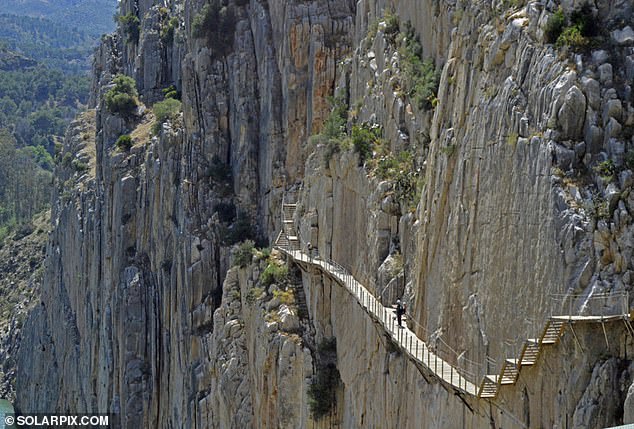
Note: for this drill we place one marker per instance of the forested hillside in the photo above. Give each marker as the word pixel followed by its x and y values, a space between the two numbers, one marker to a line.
pixel 44 62
pixel 57 45
pixel 94 15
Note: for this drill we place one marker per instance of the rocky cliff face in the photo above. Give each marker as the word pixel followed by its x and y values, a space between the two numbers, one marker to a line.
pixel 519 189
pixel 21 269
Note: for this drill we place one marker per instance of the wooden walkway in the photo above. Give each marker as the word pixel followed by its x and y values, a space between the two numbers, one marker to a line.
pixel 452 376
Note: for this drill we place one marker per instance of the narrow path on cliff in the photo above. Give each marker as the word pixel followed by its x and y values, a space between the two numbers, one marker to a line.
pixel 452 374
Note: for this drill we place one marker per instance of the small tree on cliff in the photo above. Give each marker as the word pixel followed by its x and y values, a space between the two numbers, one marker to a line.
pixel 123 98
pixel 217 23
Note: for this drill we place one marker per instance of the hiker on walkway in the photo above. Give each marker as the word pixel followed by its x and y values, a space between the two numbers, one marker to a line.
pixel 400 310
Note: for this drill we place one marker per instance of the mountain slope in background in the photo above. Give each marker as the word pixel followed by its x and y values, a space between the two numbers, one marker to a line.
pixel 93 16
pixel 53 44
pixel 12 61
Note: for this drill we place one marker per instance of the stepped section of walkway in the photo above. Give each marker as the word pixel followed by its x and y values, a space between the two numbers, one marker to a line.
pixel 450 374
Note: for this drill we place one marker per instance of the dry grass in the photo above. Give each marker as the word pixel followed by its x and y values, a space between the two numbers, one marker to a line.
pixel 88 119
pixel 142 134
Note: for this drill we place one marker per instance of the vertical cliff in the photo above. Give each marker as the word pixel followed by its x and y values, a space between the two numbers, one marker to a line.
pixel 468 166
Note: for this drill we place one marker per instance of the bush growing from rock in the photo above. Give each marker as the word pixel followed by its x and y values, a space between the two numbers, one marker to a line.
pixel 171 92
pixel 167 30
pixel 124 143
pixel 168 109
pixel 392 25
pixel 421 78
pixel 364 139
pixel 130 24
pixel 576 32
pixel 243 255
pixel 273 273
pixel 554 26
pixel 606 169
pixel 215 22
pixel 122 99
pixel 79 166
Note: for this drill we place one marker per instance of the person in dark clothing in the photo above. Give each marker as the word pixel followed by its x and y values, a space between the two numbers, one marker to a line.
pixel 400 310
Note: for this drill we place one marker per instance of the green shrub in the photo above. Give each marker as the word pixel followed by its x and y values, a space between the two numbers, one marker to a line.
pixel 123 97
pixel 402 171
pixel 262 254
pixel 576 32
pixel 335 125
pixel 243 255
pixel 79 166
pixel 584 19
pixel 216 23
pixel 333 132
pixel 167 30
pixel 124 143
pixel 254 294
pixel 67 159
pixel 421 79
pixel 273 273
pixel 364 139
pixel 286 296
pixel 572 36
pixel 606 169
pixel 554 26
pixel 322 391
pixel 392 25
pixel 165 110
pixel 131 27
pixel 171 92
pixel 23 231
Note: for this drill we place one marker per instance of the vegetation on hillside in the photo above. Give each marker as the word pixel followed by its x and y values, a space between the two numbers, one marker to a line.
pixel 58 46
pixel 373 151
pixel 579 30
pixel 166 110
pixel 216 23
pixel 420 77
pixel 131 26
pixel 44 82
pixel 91 16
pixel 24 186
pixel 122 98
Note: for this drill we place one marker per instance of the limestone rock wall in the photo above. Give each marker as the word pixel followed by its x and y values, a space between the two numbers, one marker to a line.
pixel 508 151
pixel 136 262
pixel 21 269
pixel 514 207
pixel 258 364
pixel 141 314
